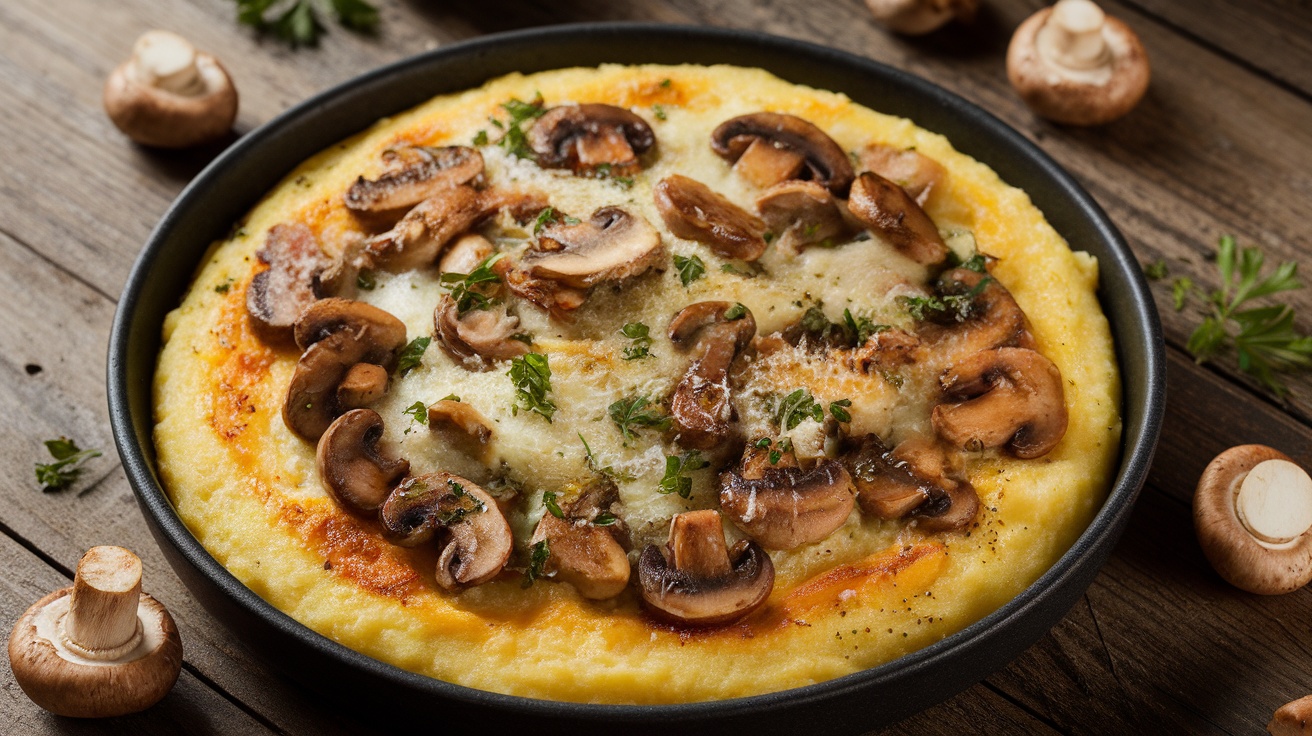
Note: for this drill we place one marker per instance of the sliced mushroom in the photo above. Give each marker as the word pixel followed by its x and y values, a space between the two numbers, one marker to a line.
pixel 916 173
pixel 894 216
pixel 585 138
pixel 352 467
pixel 885 350
pixel 991 318
pixel 701 407
pixel 788 507
pixel 693 211
pixel 363 384
pixel 589 556
pixel 802 213
pixel 1006 397
pixel 699 580
pixel 912 479
pixel 336 335
pixel 1253 517
pixel 463 424
pixel 769 147
pixel 466 254
pixel 611 245
pixel 341 276
pixel 480 337
pixel 278 295
pixel 475 538
pixel 420 237
pixel 419 172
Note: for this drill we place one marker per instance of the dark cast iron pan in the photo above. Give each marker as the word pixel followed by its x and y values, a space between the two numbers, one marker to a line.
pixel 231 185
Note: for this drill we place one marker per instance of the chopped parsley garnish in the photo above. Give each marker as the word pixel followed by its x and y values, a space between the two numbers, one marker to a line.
pixel 736 312
pixel 603 171
pixel 675 480
pixel 365 280
pixel 464 286
pixel 945 307
pixel 537 558
pixel 641 347
pixel 636 411
pixel 412 356
pixel 523 337
pixel 450 397
pixel 1155 271
pixel 458 504
pixel 658 111
pixel 795 407
pixel 531 375
pixel 553 507
pixel 1180 289
pixel 66 468
pixel 417 413
pixel 838 410
pixel 861 328
pixel 545 217
pixel 297 23
pixel 1264 338
pixel 665 82
pixel 224 287
pixel 605 518
pixel 513 138
pixel 480 138
pixel 690 268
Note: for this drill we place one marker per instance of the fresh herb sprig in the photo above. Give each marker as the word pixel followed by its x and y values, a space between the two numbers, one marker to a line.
pixel 66 468
pixel 860 328
pixel 1264 338
pixel 945 307
pixel 412 355
pixel 418 413
pixel 513 139
pixel 633 412
pixel 465 287
pixel 538 555
pixel 531 375
pixel 552 505
pixel 597 467
pixel 639 333
pixel 297 23
pixel 795 407
pixel 690 268
pixel 677 467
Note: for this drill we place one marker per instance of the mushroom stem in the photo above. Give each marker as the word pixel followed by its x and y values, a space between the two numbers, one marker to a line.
pixel 1274 502
pixel 1072 37
pixel 167 61
pixel 102 618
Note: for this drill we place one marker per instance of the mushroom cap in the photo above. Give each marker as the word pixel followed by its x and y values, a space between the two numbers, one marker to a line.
pixel 336 334
pixel 701 407
pixel 918 17
pixel 915 172
pixel 801 213
pixel 583 137
pixel 993 319
pixel 1091 96
pixel 788 507
pixel 693 211
pixel 479 337
pixel 277 295
pixel 584 555
pixel 890 213
pixel 422 172
pixel 1253 518
pixel 825 161
pixel 476 540
pixel 465 254
pixel 611 245
pixel 1292 719
pixel 357 475
pixel 170 95
pixel 67 684
pixel 470 429
pixel 699 581
pixel 1005 397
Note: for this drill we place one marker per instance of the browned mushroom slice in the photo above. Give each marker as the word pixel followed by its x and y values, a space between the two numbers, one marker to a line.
pixel 986 316
pixel 363 384
pixel 463 424
pixel 479 337
pixel 341 276
pixel 352 467
pixel 585 554
pixel 278 295
pixel 475 538
pixel 894 216
pixel 916 173
pixel 421 236
pixel 611 245
pixel 699 580
pixel 1007 397
pixel 778 147
pixel 555 298
pixel 336 335
pixel 788 507
pixel 802 213
pixel 913 478
pixel 585 138
pixel 466 254
pixel 885 350
pixel 420 172
pixel 715 332
pixel 691 210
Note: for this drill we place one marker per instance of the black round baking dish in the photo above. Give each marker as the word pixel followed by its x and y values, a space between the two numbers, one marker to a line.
pixel 230 185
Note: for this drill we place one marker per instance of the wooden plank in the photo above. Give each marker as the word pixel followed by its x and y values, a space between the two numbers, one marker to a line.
pixel 977 710
pixel 1274 36
pixel 54 322
pixel 191 707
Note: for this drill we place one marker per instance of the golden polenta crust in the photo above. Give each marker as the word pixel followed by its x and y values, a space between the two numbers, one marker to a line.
pixel 247 487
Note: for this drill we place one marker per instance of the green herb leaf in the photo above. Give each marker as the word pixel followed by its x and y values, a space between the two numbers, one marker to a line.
pixel 224 287
pixel 1155 271
pixel 417 413
pixel 412 356
pixel 861 328
pixel 838 410
pixel 795 407
pixel 549 500
pixel 513 138
pixel 537 559
pixel 450 397
pixel 531 375
pixel 467 288
pixel 480 138
pixel 605 518
pixel 66 468
pixel 675 479
pixel 633 412
pixel 690 269
pixel 1180 289
pixel 365 280
pixel 545 217
pixel 945 307
pixel 736 312
pixel 639 334
pixel 658 111
pixel 298 23
pixel 356 14
pixel 977 263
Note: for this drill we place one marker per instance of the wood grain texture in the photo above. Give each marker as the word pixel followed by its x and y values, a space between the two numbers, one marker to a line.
pixel 1222 144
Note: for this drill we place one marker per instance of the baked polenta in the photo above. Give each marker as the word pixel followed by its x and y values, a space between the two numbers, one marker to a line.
pixel 648 384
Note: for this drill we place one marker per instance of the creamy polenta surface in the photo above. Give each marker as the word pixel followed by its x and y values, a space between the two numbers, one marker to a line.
pixel 868 592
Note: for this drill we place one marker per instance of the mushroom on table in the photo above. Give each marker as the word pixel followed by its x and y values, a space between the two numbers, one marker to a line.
pixel 170 95
pixel 917 17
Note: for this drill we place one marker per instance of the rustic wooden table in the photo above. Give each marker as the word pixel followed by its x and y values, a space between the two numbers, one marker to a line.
pixel 1222 144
